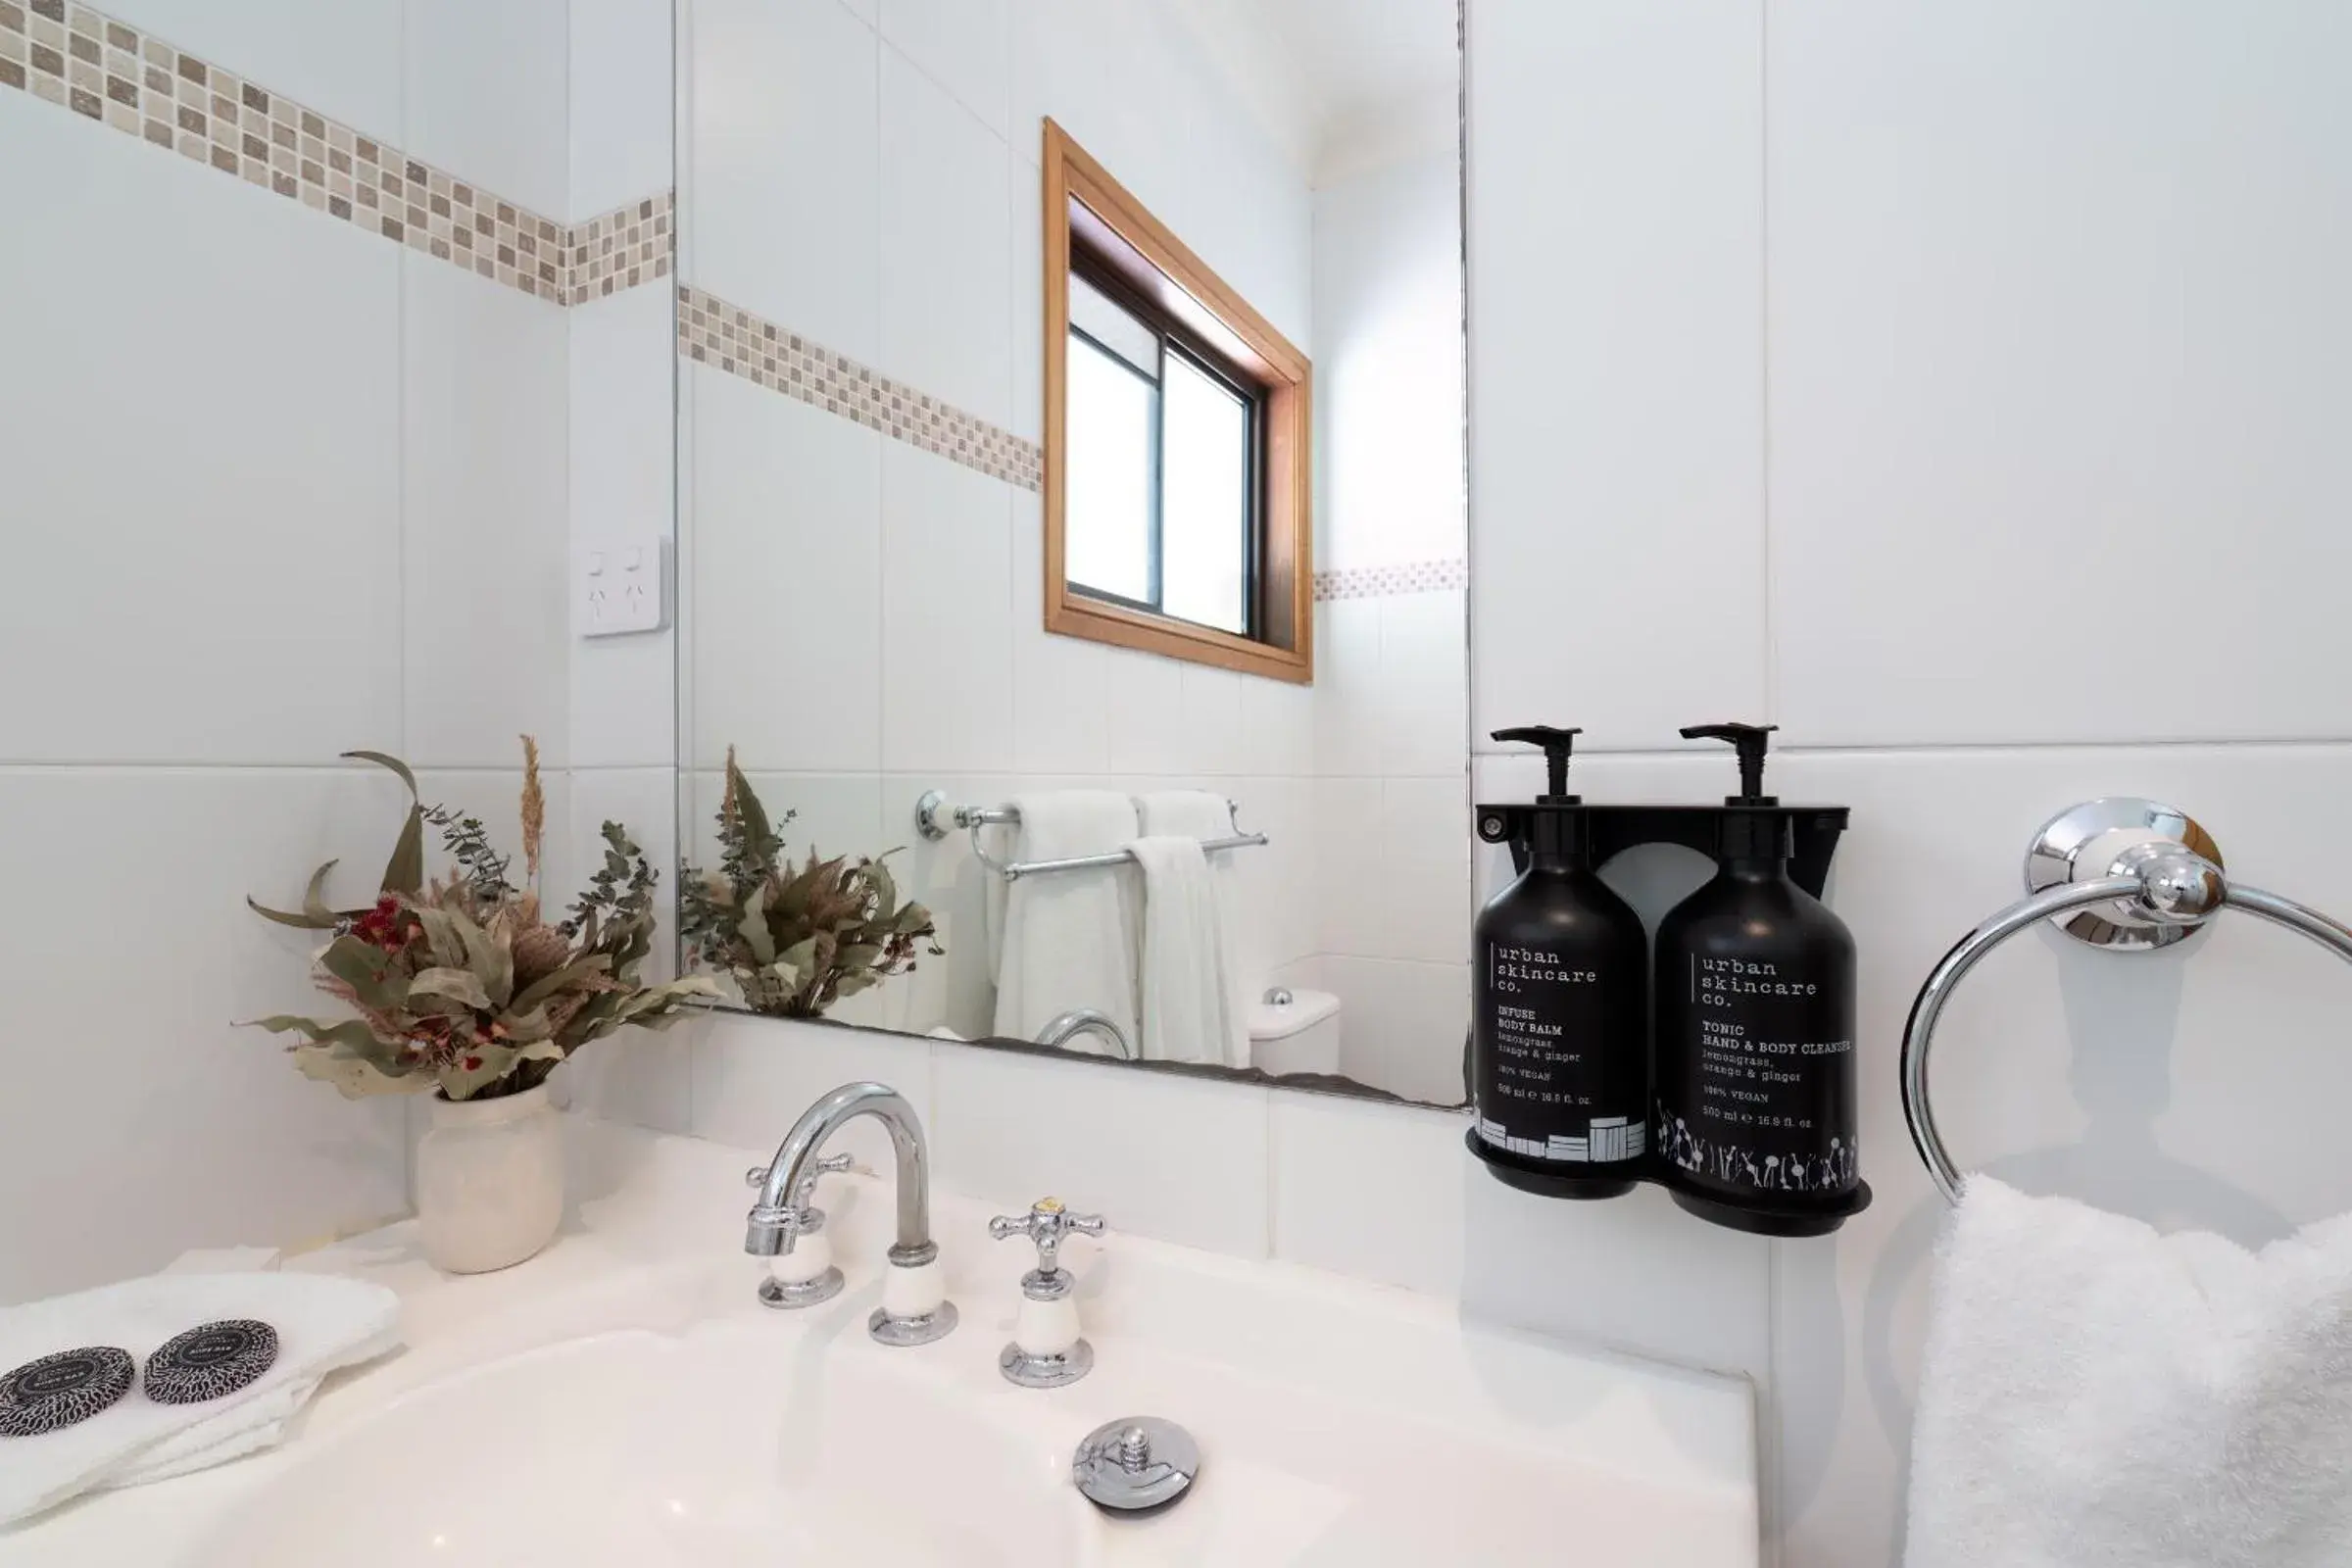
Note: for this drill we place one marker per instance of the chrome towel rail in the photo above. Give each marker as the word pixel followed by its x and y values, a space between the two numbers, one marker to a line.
pixel 935 818
pixel 2122 873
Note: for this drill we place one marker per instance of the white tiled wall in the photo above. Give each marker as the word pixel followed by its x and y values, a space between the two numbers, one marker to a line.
pixel 1891 373
pixel 284 489
pixel 1390 814
pixel 288 490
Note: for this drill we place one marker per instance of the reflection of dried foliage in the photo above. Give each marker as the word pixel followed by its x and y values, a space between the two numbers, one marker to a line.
pixel 461 984
pixel 795 939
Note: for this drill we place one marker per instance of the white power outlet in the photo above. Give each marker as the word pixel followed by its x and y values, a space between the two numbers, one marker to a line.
pixel 620 588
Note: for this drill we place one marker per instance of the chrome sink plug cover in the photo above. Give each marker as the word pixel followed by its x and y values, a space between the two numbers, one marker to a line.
pixel 1136 1464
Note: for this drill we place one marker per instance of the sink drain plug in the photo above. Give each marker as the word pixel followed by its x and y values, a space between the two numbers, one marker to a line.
pixel 1136 1464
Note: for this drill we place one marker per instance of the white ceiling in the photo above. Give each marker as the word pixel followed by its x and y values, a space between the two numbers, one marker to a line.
pixel 1328 76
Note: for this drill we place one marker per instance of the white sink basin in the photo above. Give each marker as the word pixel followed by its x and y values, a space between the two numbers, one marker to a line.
pixel 624 1400
pixel 638 1448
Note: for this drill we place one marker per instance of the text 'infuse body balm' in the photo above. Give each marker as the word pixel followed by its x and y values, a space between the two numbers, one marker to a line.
pixel 1559 1065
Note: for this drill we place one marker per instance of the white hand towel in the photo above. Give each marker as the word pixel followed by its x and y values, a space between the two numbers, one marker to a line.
pixel 323 1323
pixel 1204 1015
pixel 2094 1395
pixel 1069 938
pixel 1184 977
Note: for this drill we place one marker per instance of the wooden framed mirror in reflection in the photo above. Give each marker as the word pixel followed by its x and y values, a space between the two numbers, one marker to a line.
pixel 1073 531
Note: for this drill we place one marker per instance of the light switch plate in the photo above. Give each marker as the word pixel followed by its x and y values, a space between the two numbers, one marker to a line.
pixel 620 587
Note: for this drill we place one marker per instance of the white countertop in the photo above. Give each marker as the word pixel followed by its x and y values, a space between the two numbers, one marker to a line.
pixel 655 1242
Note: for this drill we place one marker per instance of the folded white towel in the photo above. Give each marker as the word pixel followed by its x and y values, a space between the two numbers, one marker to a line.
pixel 1068 939
pixel 321 1322
pixel 2094 1395
pixel 1192 923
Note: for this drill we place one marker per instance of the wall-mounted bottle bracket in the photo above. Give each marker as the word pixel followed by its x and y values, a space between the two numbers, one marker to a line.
pixel 1615 828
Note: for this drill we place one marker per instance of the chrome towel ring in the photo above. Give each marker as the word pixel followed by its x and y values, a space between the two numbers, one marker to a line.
pixel 2122 873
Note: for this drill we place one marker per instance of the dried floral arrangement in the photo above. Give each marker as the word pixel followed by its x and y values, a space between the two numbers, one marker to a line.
pixel 796 938
pixel 461 983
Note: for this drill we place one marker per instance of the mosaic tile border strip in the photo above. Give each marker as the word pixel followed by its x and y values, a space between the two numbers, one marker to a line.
pixel 1380 582
pixel 619 249
pixel 711 331
pixel 111 73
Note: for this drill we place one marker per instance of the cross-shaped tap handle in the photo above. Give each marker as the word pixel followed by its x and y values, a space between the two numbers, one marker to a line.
pixel 1046 1223
pixel 806 1191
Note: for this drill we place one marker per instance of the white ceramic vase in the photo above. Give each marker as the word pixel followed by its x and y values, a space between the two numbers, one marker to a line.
pixel 489 1181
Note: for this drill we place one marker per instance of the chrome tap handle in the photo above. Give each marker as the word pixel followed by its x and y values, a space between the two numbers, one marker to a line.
pixel 806 1191
pixel 1046 1223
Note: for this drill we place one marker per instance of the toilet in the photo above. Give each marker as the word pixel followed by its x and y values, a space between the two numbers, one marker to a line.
pixel 1295 1032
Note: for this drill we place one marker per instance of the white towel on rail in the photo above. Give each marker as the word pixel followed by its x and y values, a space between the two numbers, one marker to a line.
pixel 2094 1395
pixel 1068 939
pixel 1193 1006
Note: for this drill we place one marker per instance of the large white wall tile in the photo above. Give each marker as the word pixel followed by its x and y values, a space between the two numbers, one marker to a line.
pixel 1634 1272
pixel 783 117
pixel 1403 1024
pixel 139 1119
pixel 947 246
pixel 1277 880
pixel 1028 281
pixel 1423 871
pixel 1278 727
pixel 754 1077
pixel 2039 371
pixel 1424 684
pixel 1370 1189
pixel 623 487
pixel 1350 700
pixel 345 60
pixel 623 118
pixel 1616 364
pixel 1147 698
pixel 1179 1159
pixel 964 45
pixel 946 615
pixel 205 460
pixel 787 590
pixel 485 531
pixel 487 95
pixel 1062 687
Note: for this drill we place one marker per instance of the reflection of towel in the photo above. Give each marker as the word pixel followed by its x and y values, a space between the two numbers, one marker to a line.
pixel 1069 938
pixel 2096 1395
pixel 1193 1008
pixel 323 1323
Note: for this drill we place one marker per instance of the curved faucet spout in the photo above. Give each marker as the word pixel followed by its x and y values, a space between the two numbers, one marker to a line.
pixel 1070 1025
pixel 776 1219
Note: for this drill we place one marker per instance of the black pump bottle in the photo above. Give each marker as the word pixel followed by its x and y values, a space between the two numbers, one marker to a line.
pixel 1559 1056
pixel 1755 1030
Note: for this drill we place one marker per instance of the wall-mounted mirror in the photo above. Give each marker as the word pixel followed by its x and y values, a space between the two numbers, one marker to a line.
pixel 1072 527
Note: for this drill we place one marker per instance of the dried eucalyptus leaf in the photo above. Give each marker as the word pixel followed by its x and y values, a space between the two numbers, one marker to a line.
pixel 363 967
pixel 491 1062
pixel 353 1077
pixel 455 985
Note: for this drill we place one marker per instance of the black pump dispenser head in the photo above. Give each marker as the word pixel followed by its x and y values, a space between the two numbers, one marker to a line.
pixel 1558 746
pixel 1561 836
pixel 1761 834
pixel 1750 741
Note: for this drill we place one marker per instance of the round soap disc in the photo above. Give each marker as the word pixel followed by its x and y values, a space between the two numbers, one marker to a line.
pixel 60 1390
pixel 208 1362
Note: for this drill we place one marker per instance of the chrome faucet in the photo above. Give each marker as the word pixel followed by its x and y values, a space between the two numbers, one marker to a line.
pixel 1078 1021
pixel 914 1307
